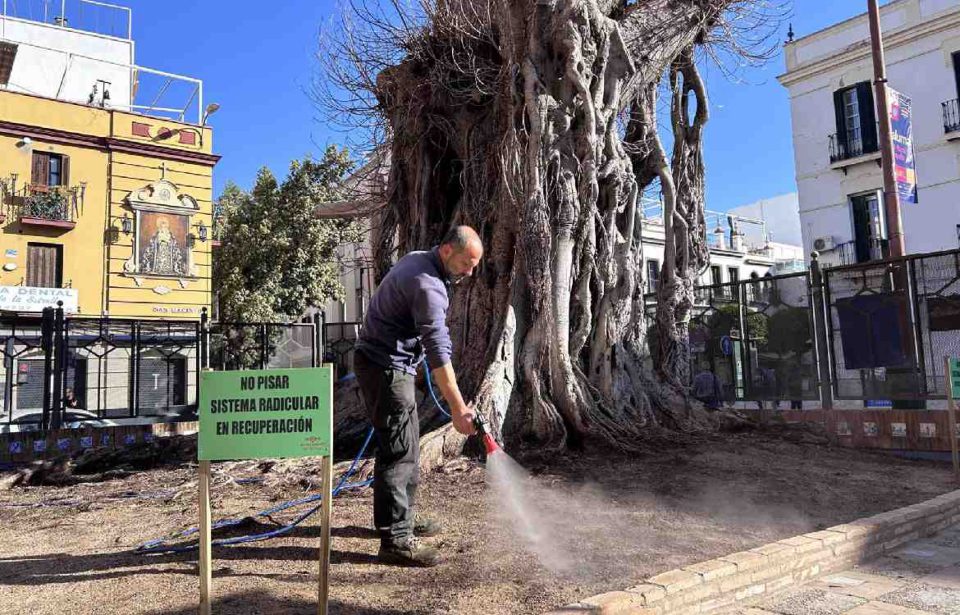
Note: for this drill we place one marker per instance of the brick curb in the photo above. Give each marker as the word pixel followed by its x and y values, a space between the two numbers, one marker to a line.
pixel 721 584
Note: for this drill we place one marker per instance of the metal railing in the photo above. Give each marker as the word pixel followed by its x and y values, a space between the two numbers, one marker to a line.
pixel 150 91
pixel 951 115
pixel 100 18
pixel 851 144
pixel 99 369
pixel 876 330
pixel 865 251
pixel 338 341
pixel 47 203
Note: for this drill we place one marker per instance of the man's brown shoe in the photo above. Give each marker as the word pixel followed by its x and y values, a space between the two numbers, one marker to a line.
pixel 408 551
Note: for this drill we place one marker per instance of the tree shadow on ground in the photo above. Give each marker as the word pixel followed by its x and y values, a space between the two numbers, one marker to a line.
pixel 69 568
pixel 259 602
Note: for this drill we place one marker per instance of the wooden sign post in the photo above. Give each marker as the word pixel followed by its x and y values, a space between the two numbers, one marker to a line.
pixel 261 414
pixel 206 562
pixel 326 505
pixel 953 392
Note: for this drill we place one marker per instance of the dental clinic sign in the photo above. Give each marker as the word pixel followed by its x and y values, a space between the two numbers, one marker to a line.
pixel 34 299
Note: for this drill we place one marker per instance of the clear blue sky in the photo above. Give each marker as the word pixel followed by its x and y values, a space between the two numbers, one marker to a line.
pixel 257 60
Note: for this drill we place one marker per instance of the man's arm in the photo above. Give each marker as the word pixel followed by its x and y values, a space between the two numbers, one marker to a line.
pixel 430 316
pixel 447 383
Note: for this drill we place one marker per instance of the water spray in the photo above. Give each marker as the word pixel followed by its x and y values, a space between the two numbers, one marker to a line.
pixel 483 430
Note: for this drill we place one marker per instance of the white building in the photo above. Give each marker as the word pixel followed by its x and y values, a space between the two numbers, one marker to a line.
pixel 82 51
pixel 740 249
pixel 829 78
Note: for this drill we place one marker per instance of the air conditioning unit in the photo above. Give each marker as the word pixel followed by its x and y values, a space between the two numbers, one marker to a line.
pixel 822 244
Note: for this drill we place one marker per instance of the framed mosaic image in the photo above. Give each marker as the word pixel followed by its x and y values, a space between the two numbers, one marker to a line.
pixel 162 244
pixel 162 241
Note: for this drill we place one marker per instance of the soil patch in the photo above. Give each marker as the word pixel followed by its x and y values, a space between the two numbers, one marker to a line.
pixel 69 548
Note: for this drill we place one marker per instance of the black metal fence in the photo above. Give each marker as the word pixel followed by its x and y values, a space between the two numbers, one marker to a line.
pixel 339 338
pixel 755 338
pixel 891 323
pixel 874 331
pixel 58 370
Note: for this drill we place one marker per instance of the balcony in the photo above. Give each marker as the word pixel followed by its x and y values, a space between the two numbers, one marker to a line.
pixel 951 117
pixel 851 145
pixel 91 16
pixel 854 252
pixel 86 47
pixel 51 207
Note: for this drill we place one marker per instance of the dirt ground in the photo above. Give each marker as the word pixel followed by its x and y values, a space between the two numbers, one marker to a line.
pixel 69 549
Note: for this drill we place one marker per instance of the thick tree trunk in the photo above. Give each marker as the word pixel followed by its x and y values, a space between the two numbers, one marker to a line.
pixel 686 254
pixel 522 142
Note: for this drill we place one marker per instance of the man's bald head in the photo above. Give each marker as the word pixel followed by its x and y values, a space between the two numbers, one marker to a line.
pixel 459 237
pixel 460 252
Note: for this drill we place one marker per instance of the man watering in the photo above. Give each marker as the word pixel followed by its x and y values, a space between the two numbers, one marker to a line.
pixel 405 321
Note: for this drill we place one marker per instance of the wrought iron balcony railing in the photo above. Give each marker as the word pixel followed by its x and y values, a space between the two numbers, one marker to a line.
pixel 38 205
pixel 854 252
pixel 852 144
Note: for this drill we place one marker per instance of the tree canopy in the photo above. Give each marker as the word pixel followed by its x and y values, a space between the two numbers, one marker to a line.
pixel 276 258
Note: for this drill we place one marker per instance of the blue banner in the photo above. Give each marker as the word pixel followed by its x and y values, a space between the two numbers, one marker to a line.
pixel 904 163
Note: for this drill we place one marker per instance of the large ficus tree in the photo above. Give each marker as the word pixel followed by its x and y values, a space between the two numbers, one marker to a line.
pixel 536 122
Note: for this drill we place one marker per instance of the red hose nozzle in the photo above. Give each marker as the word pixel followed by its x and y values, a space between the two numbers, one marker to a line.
pixel 483 429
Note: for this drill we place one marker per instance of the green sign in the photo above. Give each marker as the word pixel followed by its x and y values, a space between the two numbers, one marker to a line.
pixel 955 377
pixel 258 414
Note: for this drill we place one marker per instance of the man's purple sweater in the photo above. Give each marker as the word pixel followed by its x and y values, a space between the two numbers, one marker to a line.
pixel 408 315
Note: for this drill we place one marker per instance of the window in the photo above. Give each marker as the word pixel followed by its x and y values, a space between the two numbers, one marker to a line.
pixel 956 70
pixel 856 122
pixel 869 227
pixel 716 275
pixel 44 265
pixel 734 274
pixel 653 275
pixel 50 169
pixel 851 118
pixel 951 108
pixel 362 274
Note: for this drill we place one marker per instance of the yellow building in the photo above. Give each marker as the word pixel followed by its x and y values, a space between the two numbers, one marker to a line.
pixel 106 206
pixel 114 207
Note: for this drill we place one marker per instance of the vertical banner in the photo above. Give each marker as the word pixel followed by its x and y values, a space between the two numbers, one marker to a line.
pixel 904 162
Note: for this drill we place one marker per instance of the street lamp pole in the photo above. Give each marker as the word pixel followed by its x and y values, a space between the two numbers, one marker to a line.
pixel 890 195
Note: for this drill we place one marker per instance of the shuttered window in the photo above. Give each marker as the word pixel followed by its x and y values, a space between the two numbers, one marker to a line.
pixel 44 265
pixel 856 120
pixel 50 169
pixel 162 384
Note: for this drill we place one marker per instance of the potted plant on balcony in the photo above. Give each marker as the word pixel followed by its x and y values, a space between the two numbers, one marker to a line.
pixel 50 205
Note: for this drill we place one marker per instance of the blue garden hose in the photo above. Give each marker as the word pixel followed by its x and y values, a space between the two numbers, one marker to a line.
pixel 160 545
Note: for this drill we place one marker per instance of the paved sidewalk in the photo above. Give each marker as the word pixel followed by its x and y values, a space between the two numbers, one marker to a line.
pixel 921 578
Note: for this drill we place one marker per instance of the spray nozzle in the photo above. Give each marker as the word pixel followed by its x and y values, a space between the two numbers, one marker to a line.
pixel 483 430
